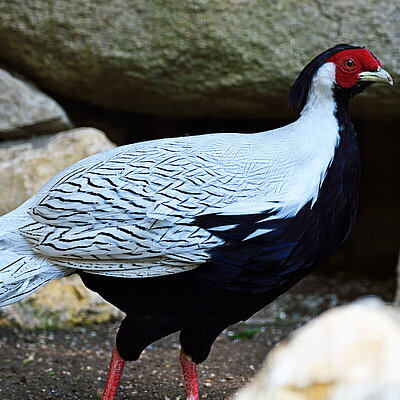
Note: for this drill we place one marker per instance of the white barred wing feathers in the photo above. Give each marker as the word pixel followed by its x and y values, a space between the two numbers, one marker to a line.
pixel 132 214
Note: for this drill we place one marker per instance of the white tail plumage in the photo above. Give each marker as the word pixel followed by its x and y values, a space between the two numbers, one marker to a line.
pixel 21 276
pixel 21 270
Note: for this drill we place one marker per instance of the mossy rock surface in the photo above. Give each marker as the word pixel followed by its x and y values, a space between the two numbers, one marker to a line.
pixel 193 58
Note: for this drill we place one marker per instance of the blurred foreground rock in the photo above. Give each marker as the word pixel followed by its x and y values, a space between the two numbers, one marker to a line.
pixel 26 166
pixel 193 58
pixel 24 110
pixel 348 353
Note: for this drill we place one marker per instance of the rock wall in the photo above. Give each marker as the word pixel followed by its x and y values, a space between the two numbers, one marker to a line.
pixel 193 58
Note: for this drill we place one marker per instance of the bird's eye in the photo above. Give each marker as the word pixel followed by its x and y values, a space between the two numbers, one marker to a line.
pixel 349 64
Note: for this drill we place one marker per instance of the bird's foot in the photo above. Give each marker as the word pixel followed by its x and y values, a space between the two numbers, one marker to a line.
pixel 190 375
pixel 114 374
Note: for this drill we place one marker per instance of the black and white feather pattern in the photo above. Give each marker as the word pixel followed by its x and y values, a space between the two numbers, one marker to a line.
pixel 131 211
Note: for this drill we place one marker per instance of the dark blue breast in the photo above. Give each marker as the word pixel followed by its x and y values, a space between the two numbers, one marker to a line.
pixel 296 245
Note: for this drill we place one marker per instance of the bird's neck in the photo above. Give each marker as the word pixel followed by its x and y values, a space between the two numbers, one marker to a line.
pixel 342 112
pixel 318 125
pixel 325 134
pixel 320 98
pixel 327 102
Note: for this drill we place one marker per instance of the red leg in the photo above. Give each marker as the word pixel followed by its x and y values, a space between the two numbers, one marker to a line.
pixel 114 374
pixel 190 375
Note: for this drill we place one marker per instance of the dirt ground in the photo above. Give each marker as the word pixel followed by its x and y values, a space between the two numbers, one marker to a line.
pixel 73 363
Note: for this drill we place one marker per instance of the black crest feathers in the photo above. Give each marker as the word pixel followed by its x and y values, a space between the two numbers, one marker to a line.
pixel 299 91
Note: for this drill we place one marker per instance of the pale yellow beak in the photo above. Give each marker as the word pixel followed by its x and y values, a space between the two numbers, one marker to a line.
pixel 380 75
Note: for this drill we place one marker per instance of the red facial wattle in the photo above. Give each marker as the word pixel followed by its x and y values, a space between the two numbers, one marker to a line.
pixel 350 63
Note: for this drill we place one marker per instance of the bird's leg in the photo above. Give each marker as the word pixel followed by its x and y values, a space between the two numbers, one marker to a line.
pixel 114 374
pixel 190 375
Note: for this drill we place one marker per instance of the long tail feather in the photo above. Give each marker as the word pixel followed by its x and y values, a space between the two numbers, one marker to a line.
pixel 21 270
pixel 21 276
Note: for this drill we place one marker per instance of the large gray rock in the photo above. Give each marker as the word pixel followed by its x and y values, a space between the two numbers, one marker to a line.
pixel 348 353
pixel 193 58
pixel 25 110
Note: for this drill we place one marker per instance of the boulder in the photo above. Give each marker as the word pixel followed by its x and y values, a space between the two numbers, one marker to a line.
pixel 27 165
pixel 24 110
pixel 348 353
pixel 235 58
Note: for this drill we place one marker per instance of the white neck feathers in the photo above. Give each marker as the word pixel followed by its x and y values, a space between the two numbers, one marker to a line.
pixel 317 130
pixel 320 98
